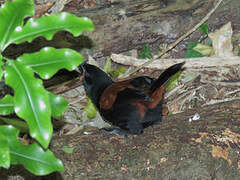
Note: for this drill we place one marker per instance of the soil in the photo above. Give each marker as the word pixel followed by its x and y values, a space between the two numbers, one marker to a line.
pixel 207 149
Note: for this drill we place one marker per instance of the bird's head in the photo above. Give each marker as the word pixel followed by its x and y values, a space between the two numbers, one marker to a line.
pixel 95 81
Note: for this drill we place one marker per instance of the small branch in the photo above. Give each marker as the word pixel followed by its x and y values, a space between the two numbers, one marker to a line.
pixel 171 46
pixel 202 62
pixel 222 83
pixel 216 101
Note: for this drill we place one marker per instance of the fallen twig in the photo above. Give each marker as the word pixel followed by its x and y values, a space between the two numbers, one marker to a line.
pixel 217 101
pixel 222 83
pixel 202 62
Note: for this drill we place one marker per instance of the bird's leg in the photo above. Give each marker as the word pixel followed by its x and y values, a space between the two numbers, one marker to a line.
pixel 114 131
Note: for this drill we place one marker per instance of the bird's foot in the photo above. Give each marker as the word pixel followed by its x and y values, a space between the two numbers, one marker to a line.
pixel 114 131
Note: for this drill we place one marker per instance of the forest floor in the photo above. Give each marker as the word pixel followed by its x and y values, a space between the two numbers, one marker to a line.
pixel 177 148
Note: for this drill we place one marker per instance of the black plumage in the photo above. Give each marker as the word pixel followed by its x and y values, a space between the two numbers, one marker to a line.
pixel 132 104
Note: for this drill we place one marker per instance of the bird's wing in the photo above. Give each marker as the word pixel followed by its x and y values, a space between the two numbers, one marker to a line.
pixel 132 90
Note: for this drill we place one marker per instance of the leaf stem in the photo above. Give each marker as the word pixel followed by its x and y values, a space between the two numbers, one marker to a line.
pixel 21 125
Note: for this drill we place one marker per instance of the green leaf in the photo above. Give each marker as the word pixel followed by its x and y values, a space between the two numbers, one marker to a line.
pixel 1 63
pixel 32 157
pixel 4 151
pixel 17 123
pixel 107 66
pixel 113 72
pixel 205 50
pixel 173 81
pixel 90 109
pixel 116 72
pixel 145 53
pixel 192 53
pixel 12 15
pixel 31 101
pixel 191 45
pixel 47 26
pixel 204 28
pixel 67 149
pixel 6 105
pixel 58 104
pixel 49 60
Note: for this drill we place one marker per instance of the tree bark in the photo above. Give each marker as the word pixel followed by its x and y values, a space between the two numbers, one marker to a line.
pixel 130 24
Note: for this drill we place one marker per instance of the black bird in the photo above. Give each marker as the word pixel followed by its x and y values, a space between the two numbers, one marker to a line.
pixel 132 104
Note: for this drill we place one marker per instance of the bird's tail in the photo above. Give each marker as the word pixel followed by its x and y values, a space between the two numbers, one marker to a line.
pixel 164 77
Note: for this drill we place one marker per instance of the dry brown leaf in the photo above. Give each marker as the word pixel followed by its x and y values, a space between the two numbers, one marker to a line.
pixel 222 41
pixel 199 140
pixel 165 110
pixel 58 6
pixel 237 117
pixel 174 107
pixel 124 168
pixel 90 4
pixel 231 137
pixel 218 152
pixel 162 160
pixel 41 9
pixel 88 167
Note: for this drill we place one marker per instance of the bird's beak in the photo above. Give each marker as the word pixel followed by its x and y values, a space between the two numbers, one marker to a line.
pixel 82 70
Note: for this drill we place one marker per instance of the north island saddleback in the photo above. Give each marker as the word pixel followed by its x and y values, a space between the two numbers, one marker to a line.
pixel 132 104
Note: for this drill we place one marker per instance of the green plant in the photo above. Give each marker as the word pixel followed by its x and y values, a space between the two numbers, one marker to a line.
pixel 197 49
pixel 204 28
pixel 145 52
pixel 191 53
pixel 31 101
